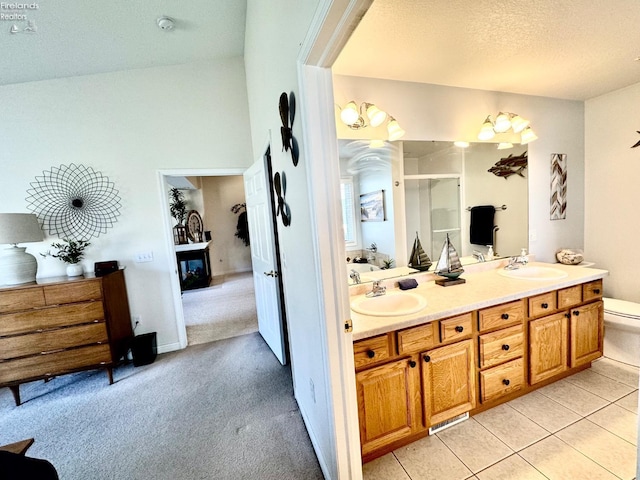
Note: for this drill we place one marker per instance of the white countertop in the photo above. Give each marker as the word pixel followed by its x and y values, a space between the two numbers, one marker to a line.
pixel 483 288
pixel 187 247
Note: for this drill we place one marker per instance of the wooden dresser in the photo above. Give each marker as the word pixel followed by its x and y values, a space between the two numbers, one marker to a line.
pixel 62 325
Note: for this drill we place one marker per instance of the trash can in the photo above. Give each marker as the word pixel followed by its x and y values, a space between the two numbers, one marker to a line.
pixel 144 349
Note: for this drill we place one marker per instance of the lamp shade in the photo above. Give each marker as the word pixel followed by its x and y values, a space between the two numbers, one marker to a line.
pixel 19 228
pixel 502 123
pixel 486 131
pixel 518 123
pixel 375 115
pixel 349 114
pixel 394 129
pixel 527 136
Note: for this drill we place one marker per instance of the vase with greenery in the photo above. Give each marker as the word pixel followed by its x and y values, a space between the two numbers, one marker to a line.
pixel 70 252
pixel 178 210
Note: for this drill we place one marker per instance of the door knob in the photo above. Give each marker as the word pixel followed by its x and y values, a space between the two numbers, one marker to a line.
pixel 271 274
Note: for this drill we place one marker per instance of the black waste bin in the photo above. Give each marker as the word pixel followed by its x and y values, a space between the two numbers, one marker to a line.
pixel 144 349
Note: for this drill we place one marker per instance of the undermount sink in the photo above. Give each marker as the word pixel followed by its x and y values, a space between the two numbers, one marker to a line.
pixel 390 304
pixel 531 272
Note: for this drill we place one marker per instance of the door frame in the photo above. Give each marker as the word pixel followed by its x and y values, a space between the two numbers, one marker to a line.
pixel 168 229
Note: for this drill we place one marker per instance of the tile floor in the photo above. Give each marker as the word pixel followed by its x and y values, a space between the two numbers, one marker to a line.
pixel 581 427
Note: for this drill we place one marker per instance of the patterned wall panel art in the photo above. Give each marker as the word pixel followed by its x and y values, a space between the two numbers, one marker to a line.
pixel 558 186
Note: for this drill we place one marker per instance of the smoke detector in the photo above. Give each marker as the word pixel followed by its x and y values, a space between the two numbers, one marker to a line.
pixel 165 23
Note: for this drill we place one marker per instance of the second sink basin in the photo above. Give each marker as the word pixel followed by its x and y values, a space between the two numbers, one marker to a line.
pixel 531 272
pixel 390 304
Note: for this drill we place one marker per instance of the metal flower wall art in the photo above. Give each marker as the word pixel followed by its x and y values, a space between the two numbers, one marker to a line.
pixel 74 201
pixel 287 115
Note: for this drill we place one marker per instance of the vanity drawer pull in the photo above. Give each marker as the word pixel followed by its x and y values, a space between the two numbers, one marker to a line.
pixel 505 347
pixel 568 315
pixel 426 358
pixel 371 353
pixel 412 364
pixel 459 329
pixel 505 316
pixel 576 313
pixel 596 291
pixel 545 305
pixel 506 382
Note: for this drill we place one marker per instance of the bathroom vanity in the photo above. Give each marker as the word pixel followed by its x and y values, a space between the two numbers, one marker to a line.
pixel 474 346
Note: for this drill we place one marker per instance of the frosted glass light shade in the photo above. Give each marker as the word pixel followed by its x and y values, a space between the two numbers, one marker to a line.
pixel 394 129
pixel 519 124
pixel 349 114
pixel 375 115
pixel 486 131
pixel 527 136
pixel 502 123
pixel 505 145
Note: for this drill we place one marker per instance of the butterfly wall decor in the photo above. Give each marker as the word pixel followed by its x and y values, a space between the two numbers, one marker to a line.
pixel 280 186
pixel 287 115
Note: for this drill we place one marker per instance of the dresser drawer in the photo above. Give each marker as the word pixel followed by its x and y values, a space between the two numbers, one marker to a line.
pixel 592 291
pixel 21 299
pixel 51 364
pixel 542 304
pixel 52 340
pixel 48 318
pixel 456 327
pixel 501 380
pixel 72 292
pixel 416 339
pixel 500 346
pixel 372 350
pixel 501 315
pixel 570 296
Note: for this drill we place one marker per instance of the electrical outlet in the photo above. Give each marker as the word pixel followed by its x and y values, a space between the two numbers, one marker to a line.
pixel 533 236
pixel 312 389
pixel 142 257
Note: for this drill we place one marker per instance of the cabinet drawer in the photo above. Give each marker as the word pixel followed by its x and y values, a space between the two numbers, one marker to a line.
pixel 21 299
pixel 570 296
pixel 456 327
pixel 72 292
pixel 51 364
pixel 542 304
pixel 419 338
pixel 592 290
pixel 501 315
pixel 498 347
pixel 49 318
pixel 52 340
pixel 501 380
pixel 371 350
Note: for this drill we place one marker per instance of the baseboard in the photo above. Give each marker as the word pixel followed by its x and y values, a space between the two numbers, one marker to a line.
pixel 315 443
pixel 169 347
pixel 230 272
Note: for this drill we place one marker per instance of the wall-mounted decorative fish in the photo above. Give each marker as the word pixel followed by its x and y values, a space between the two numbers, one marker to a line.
pixel 511 165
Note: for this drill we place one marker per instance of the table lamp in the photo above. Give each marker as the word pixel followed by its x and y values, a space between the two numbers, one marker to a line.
pixel 16 265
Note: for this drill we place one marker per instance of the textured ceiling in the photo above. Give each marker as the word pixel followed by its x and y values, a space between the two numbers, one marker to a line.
pixel 80 37
pixel 571 49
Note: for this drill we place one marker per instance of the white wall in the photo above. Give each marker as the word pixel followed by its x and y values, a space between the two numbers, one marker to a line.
pixel 227 252
pixel 433 112
pixel 127 125
pixel 275 32
pixel 612 226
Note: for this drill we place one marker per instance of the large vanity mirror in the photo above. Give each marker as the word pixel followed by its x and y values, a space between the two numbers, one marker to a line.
pixel 402 191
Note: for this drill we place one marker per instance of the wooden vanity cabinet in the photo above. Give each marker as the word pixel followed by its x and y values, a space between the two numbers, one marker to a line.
pixel 548 344
pixel 587 333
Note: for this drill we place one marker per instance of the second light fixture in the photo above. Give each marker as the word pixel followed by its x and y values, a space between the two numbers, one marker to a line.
pixel 368 114
pixel 504 122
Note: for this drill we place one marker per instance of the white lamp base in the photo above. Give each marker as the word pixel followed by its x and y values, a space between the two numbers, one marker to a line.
pixel 17 266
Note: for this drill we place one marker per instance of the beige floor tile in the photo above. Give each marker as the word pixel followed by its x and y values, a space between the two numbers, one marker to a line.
pixel 384 468
pixel 621 372
pixel 511 468
pixel 430 459
pixel 559 461
pixel 618 421
pixel 630 402
pixel 511 426
pixel 600 385
pixel 603 447
pixel 474 445
pixel 547 413
pixel 574 397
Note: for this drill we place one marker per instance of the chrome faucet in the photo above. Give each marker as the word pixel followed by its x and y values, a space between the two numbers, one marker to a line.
pixel 355 276
pixel 478 256
pixel 516 262
pixel 376 290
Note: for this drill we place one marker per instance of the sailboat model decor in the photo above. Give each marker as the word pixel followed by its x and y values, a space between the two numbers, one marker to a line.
pixel 418 258
pixel 449 266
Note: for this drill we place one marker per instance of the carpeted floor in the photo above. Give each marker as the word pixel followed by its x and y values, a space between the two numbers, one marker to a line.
pixel 226 309
pixel 223 410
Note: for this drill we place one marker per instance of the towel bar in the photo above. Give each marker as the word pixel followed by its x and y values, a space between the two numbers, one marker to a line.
pixel 503 207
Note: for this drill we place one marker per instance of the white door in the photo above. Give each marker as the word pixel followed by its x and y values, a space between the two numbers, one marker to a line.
pixel 263 258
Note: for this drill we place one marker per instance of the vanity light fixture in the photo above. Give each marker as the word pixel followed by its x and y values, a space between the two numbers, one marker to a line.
pixel 504 123
pixel 505 145
pixel 368 114
pixel 461 144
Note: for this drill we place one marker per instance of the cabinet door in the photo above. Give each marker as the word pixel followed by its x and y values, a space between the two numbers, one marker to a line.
pixel 388 403
pixel 586 333
pixel 547 347
pixel 448 381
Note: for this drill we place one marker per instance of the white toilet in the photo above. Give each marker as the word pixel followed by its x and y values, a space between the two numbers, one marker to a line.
pixel 622 331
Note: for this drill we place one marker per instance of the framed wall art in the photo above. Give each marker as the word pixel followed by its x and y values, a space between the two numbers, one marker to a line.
pixel 372 207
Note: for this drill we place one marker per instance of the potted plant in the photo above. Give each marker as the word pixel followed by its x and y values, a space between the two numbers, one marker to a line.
pixel 178 210
pixel 70 252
